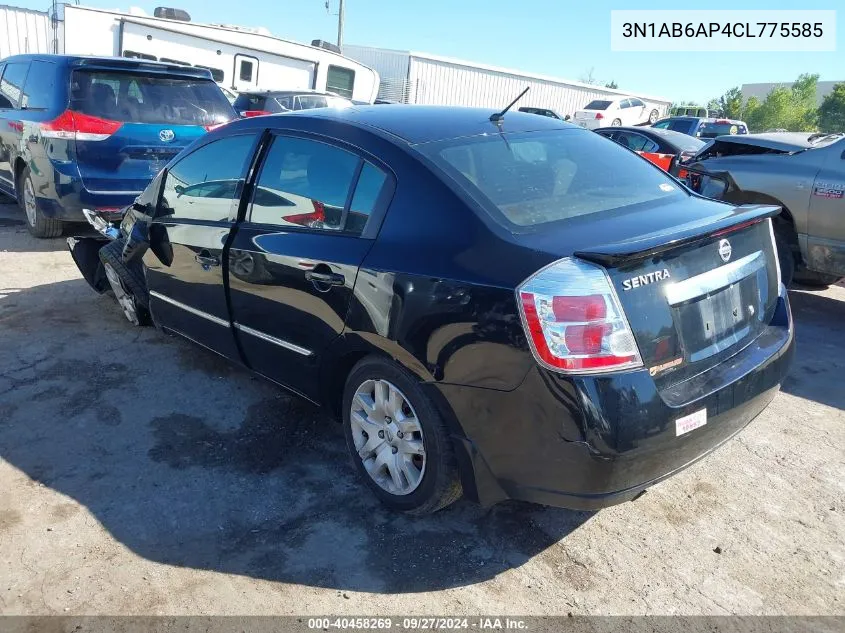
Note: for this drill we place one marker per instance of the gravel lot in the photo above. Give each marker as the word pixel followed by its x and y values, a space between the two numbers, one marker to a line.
pixel 142 475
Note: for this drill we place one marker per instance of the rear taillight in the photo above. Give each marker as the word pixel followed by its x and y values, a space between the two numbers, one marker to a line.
pixel 313 220
pixel 211 128
pixel 76 126
pixel 252 113
pixel 574 320
pixel 599 115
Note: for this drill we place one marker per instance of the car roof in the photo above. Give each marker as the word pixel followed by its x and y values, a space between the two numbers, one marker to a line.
pixel 276 93
pixel 424 124
pixel 111 62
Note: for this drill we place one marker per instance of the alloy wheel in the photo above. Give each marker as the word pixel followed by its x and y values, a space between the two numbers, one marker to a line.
pixel 124 299
pixel 29 202
pixel 388 437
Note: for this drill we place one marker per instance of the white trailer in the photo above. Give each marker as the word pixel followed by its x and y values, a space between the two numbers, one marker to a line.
pixel 239 58
pixel 412 77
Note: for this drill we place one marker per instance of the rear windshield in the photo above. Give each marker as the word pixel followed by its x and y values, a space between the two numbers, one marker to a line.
pixel 246 102
pixel 598 105
pixel 133 97
pixel 530 179
pixel 683 142
pixel 712 130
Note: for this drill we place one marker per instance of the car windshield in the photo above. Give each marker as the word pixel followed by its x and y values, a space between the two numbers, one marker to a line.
pixel 598 105
pixel 132 97
pixel 530 179
pixel 676 125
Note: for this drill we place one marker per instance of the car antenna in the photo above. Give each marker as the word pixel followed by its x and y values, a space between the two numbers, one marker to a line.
pixel 497 117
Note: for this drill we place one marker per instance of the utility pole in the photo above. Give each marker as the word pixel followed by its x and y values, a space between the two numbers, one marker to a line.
pixel 340 25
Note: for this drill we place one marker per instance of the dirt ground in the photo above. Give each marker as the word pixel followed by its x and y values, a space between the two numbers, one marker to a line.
pixel 140 474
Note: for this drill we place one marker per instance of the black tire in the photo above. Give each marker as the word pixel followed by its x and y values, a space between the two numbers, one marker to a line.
pixel 653 116
pixel 131 279
pixel 616 123
pixel 38 225
pixel 786 259
pixel 440 484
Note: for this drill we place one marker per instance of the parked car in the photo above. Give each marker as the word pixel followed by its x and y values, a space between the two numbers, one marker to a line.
pixel 615 112
pixel 800 172
pixel 661 147
pixel 506 308
pixel 249 104
pixel 702 127
pixel 544 112
pixel 79 132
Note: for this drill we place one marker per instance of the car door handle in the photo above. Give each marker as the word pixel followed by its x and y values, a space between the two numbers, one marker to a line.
pixel 329 279
pixel 206 260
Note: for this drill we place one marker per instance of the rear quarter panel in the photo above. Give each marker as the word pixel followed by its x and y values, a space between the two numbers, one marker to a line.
pixel 437 289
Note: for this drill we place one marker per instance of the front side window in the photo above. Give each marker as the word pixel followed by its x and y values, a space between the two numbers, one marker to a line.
pixel 11 85
pixel 206 184
pixel 135 97
pixel 304 183
pixel 530 179
pixel 340 81
pixel 626 103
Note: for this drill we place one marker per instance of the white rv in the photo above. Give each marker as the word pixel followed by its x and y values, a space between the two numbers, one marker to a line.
pixel 239 58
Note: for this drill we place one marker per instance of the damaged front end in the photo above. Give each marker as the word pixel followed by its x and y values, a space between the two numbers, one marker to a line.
pixel 85 250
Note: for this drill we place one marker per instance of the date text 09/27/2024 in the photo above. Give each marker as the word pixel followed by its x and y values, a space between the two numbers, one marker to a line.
pixel 420 623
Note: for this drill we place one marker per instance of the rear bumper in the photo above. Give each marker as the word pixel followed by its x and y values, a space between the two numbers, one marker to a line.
pixel 590 124
pixel 587 443
pixel 60 193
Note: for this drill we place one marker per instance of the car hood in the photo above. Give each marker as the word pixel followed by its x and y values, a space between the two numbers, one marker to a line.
pixel 778 141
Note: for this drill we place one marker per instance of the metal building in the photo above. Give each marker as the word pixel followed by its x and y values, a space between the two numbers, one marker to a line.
pixel 412 77
pixel 26 31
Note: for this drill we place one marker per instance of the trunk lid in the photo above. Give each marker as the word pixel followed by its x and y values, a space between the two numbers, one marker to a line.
pixel 694 293
pixel 130 123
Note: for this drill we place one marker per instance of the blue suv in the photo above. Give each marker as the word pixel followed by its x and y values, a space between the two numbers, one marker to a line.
pixel 86 132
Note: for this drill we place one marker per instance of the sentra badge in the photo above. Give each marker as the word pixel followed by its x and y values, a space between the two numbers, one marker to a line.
pixel 644 280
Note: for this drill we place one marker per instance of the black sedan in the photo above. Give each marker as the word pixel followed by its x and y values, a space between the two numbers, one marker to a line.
pixel 499 307
pixel 659 146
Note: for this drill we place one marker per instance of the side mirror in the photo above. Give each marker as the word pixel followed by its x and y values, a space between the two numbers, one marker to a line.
pixel 567 117
pixel 179 189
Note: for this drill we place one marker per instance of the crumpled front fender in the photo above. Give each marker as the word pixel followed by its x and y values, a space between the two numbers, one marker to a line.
pixel 85 252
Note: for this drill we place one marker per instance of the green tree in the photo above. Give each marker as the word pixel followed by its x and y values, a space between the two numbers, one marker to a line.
pixel 714 104
pixel 831 112
pixel 731 104
pixel 785 108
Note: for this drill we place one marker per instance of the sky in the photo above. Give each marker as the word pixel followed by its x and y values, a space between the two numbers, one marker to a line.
pixel 560 38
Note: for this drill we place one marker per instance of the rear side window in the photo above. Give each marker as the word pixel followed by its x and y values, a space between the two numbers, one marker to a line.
pixel 11 84
pixel 367 192
pixel 531 179
pixel 340 81
pixel 205 183
pixel 304 183
pixel 598 105
pixel 133 97
pixel 39 92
